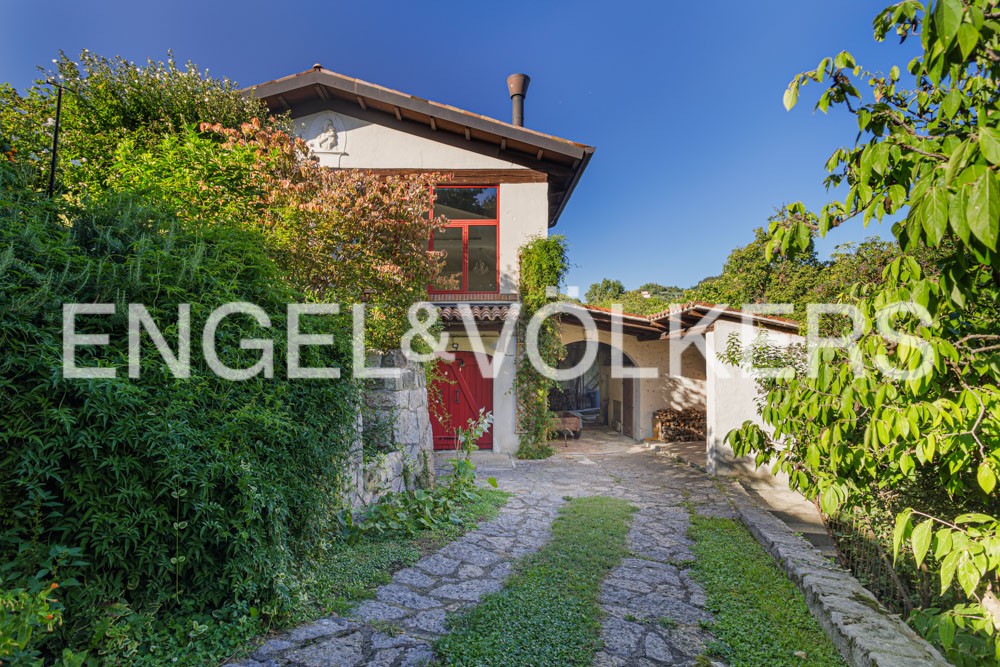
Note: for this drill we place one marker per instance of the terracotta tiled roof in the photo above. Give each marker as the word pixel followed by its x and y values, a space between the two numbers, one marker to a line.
pixel 480 313
pixel 688 314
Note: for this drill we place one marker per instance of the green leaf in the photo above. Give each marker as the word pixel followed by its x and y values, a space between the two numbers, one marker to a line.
pixel 968 37
pixel 936 215
pixel 957 214
pixel 824 102
pixel 942 543
pixel 952 102
pixel 843 60
pixel 968 575
pixel 802 236
pixel 989 144
pixel 947 18
pixel 812 456
pixel 791 95
pixel 920 540
pixel 946 630
pixel 956 162
pixel 948 566
pixel 880 158
pixel 899 532
pixel 906 464
pixel 829 501
pixel 983 210
pixel 986 477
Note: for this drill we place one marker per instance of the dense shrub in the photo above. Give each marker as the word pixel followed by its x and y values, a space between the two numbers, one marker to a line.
pixel 179 493
pixel 170 509
pixel 107 100
pixel 909 420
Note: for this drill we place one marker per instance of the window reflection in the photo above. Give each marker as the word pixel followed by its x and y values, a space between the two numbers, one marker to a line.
pixel 457 203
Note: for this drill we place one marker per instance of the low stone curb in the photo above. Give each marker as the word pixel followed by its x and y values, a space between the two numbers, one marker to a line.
pixel 864 632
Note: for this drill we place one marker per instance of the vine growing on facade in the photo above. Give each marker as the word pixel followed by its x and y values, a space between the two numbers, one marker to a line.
pixel 543 264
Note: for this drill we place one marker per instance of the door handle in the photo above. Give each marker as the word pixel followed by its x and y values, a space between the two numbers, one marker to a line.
pixel 456 397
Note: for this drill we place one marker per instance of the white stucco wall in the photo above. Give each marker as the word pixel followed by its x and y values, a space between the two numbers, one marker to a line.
pixel 731 393
pixel 524 214
pixel 342 141
pixel 361 144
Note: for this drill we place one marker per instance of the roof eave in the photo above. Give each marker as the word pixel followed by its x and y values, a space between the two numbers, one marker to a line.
pixel 568 158
pixel 572 186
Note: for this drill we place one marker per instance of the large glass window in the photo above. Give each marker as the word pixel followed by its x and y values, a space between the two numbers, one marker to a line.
pixel 471 241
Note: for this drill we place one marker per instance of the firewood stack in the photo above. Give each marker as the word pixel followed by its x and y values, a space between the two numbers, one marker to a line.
pixel 679 425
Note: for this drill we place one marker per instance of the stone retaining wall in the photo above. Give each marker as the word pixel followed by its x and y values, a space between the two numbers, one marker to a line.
pixel 396 413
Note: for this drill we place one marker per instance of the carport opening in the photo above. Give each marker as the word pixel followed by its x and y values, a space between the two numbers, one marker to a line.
pixel 596 397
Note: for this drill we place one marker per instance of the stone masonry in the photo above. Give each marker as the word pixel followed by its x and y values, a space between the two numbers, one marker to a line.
pixel 397 410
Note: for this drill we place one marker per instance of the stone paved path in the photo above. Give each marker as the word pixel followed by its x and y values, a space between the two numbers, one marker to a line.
pixel 655 611
pixel 396 628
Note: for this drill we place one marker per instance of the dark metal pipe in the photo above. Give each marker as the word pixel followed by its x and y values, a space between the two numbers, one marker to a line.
pixel 517 85
pixel 55 142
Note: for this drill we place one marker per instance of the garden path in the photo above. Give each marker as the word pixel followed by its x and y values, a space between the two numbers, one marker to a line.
pixel 655 611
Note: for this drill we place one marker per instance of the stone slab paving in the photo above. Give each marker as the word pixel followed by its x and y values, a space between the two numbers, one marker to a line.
pixel 655 611
pixel 397 627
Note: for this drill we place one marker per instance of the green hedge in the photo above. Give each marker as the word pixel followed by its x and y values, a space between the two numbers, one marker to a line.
pixel 155 493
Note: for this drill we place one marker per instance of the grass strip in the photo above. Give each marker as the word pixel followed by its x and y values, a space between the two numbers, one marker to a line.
pixel 761 618
pixel 548 612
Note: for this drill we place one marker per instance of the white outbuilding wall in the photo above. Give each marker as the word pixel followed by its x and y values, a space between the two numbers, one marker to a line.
pixel 731 394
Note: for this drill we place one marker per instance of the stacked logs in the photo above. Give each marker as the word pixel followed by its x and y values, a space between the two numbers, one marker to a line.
pixel 679 425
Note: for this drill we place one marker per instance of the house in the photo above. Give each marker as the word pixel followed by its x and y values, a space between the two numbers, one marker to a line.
pixel 506 184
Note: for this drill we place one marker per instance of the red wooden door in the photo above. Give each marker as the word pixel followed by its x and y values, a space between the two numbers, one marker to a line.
pixel 464 392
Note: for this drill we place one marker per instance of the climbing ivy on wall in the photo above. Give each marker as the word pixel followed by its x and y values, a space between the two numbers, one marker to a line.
pixel 543 264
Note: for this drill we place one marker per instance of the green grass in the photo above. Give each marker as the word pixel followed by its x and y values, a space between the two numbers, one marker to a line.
pixel 548 613
pixel 760 616
pixel 336 579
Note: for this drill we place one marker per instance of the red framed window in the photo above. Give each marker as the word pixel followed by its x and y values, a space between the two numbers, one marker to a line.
pixel 471 241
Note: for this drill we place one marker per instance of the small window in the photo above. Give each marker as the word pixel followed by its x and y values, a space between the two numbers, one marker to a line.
pixel 466 203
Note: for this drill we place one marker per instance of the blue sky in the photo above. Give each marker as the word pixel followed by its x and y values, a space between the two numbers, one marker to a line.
pixel 681 99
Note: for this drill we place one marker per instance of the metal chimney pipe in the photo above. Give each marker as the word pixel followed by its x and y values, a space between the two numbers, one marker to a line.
pixel 517 85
